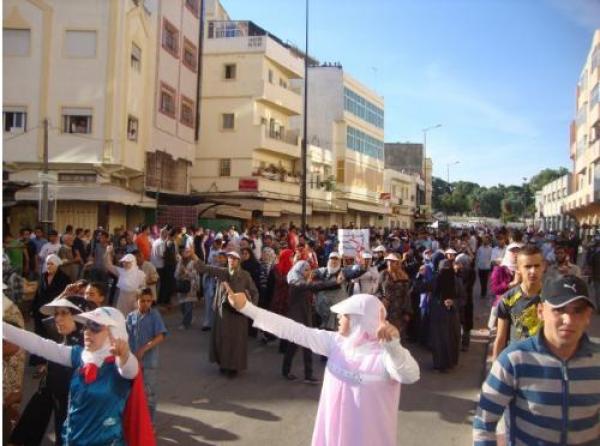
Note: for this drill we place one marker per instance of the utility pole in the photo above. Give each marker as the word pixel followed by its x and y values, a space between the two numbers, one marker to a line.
pixel 305 125
pixel 45 205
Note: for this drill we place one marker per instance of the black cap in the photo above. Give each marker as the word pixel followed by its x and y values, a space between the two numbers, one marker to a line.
pixel 564 290
pixel 52 232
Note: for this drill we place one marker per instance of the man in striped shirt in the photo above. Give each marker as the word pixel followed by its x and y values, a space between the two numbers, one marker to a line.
pixel 550 382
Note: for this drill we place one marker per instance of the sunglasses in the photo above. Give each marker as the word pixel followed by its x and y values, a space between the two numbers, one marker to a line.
pixel 94 327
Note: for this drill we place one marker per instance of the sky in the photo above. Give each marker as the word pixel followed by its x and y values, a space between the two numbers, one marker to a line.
pixel 499 75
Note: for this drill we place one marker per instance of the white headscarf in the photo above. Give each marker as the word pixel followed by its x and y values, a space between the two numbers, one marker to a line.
pixel 130 279
pixel 119 331
pixel 365 312
pixel 54 259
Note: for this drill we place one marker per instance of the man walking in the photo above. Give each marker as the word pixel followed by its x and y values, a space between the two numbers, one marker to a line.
pixel 549 381
pixel 483 262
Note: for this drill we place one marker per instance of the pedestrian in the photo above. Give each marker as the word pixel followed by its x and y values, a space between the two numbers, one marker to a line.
pixel 51 247
pixel 146 331
pixel 157 258
pixel 229 334
pixel 52 282
pixel 548 381
pixel 143 242
pixel 216 257
pixel 365 367
pixel 517 311
pixel 149 270
pixel 187 282
pixel 562 265
pixel 483 263
pixel 393 290
pixel 13 369
pixel 101 381
pixel 171 258
pixel 52 395
pixel 71 261
pixel 301 289
pixel 444 328
pixel 130 279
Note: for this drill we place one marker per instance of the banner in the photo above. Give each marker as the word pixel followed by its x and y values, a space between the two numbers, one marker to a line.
pixel 353 241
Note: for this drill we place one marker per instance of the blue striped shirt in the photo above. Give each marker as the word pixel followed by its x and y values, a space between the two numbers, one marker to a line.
pixel 550 401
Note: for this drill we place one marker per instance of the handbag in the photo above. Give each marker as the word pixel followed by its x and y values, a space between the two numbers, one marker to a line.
pixel 183 286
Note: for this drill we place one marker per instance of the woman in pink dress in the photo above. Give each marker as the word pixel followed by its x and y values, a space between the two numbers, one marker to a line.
pixel 365 367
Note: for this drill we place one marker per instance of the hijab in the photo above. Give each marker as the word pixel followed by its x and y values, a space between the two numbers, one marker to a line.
pixel 284 265
pixel 118 331
pixel 364 311
pixel 296 275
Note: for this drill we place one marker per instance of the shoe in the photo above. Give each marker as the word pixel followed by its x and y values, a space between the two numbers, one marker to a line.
pixel 291 377
pixel 311 380
pixel 205 328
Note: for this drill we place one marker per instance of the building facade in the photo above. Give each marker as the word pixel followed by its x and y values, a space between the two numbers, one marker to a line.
pixel 551 203
pixel 172 148
pixel 346 118
pixel 583 203
pixel 248 155
pixel 74 65
pixel 400 198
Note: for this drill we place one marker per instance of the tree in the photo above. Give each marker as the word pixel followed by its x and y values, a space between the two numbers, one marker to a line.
pixel 544 177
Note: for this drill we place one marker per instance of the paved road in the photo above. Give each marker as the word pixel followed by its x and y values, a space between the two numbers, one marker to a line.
pixel 199 407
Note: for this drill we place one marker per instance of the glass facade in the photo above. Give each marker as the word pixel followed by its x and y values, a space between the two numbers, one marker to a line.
pixel 363 143
pixel 359 106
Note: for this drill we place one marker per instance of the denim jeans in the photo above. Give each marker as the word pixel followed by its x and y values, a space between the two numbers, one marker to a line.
pixel 209 294
pixel 186 312
pixel 150 385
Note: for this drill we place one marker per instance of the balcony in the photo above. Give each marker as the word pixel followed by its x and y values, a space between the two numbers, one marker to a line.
pixel 285 143
pixel 587 155
pixel 283 99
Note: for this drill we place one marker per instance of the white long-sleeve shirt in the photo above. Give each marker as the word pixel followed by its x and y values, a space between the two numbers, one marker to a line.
pixel 58 353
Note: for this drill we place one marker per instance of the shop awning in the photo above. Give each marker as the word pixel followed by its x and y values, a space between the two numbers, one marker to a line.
pixel 363 207
pixel 89 192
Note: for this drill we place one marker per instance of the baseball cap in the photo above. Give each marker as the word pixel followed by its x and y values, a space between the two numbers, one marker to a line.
pixel 512 246
pixel 334 255
pixel 367 255
pixel 450 251
pixel 393 257
pixel 102 316
pixel 564 290
pixel 379 248
pixel 233 254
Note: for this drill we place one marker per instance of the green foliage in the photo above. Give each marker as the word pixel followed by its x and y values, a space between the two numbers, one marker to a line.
pixel 506 202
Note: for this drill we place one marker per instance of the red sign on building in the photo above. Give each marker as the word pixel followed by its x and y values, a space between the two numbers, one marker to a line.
pixel 248 185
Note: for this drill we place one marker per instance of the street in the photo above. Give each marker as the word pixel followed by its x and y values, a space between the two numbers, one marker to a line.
pixel 198 406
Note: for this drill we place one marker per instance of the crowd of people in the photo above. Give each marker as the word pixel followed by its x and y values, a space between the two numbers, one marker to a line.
pixel 99 299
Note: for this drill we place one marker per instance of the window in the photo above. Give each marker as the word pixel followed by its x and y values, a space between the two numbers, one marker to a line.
pixel 80 44
pixel 228 121
pixel 282 83
pixel 271 76
pixel 359 106
pixel 170 38
pixel 230 71
pixel 167 100
pixel 190 58
pixel 17 42
pixel 77 177
pixel 186 115
pixel 225 168
pixel 363 143
pixel 132 128
pixel 14 119
pixel 192 5
pixel 77 120
pixel 136 57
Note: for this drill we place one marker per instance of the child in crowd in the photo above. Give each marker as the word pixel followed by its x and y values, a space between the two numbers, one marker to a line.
pixel 146 330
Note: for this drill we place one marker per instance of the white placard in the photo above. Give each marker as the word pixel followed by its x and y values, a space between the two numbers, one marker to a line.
pixel 353 241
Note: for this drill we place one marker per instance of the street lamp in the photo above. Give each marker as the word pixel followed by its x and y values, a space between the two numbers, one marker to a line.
pixel 448 170
pixel 303 153
pixel 425 130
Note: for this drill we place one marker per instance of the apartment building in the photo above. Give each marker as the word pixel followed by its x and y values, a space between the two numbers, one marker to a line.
pixel 584 202
pixel 346 118
pixel 82 66
pixel 551 204
pixel 400 197
pixel 248 155
pixel 172 148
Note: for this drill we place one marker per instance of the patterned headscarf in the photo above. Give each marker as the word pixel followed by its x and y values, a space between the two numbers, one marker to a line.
pixel 296 274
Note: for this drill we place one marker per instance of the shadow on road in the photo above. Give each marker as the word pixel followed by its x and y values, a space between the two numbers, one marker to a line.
pixel 223 406
pixel 175 429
